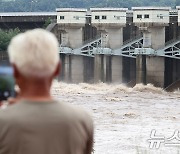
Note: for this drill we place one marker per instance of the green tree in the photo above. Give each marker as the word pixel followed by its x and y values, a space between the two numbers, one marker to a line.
pixel 5 38
pixel 47 22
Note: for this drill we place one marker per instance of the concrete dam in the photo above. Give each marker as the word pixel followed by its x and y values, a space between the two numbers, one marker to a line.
pixel 119 45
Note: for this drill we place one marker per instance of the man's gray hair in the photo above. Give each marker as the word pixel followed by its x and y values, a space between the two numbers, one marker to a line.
pixel 35 53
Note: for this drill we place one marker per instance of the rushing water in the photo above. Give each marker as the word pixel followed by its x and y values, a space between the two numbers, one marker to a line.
pixel 124 117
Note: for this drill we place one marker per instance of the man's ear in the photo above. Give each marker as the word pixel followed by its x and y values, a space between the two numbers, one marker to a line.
pixel 58 69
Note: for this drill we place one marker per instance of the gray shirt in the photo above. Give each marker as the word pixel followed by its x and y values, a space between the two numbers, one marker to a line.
pixel 45 128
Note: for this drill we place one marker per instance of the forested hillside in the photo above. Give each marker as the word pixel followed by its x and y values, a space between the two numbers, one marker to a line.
pixel 51 5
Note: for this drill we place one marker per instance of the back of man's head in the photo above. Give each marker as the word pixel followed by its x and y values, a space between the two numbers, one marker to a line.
pixel 34 53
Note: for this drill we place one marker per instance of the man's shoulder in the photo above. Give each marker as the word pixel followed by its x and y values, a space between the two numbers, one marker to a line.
pixel 77 112
pixel 80 116
pixel 77 115
pixel 6 112
pixel 21 108
pixel 57 112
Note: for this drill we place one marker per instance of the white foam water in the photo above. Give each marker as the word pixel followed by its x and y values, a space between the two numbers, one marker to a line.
pixel 103 87
pixel 124 117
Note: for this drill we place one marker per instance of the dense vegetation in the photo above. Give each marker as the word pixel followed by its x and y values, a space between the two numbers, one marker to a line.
pixel 5 38
pixel 51 5
pixel 7 35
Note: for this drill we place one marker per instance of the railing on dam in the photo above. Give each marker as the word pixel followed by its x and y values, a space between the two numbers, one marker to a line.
pixel 132 39
pixel 91 40
pixel 131 49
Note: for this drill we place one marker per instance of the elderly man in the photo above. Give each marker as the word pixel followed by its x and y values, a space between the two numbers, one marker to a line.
pixel 36 123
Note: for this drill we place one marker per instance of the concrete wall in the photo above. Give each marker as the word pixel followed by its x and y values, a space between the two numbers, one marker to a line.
pixel 104 39
pixel 113 15
pixel 108 68
pixel 77 69
pixel 65 74
pixel 110 27
pixel 99 68
pixel 155 70
pixel 112 37
pixel 56 32
pixel 72 37
pixel 102 68
pixel 117 69
pixel 159 71
pixel 115 39
pixel 141 69
pixel 64 39
pixel 155 16
pixel 68 16
pixel 157 37
pixel 154 37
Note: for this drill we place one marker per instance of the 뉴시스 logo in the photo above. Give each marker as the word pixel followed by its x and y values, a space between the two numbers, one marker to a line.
pixel 156 140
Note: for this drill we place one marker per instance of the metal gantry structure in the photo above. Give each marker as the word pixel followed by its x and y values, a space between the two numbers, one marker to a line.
pixel 171 50
pixel 131 48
